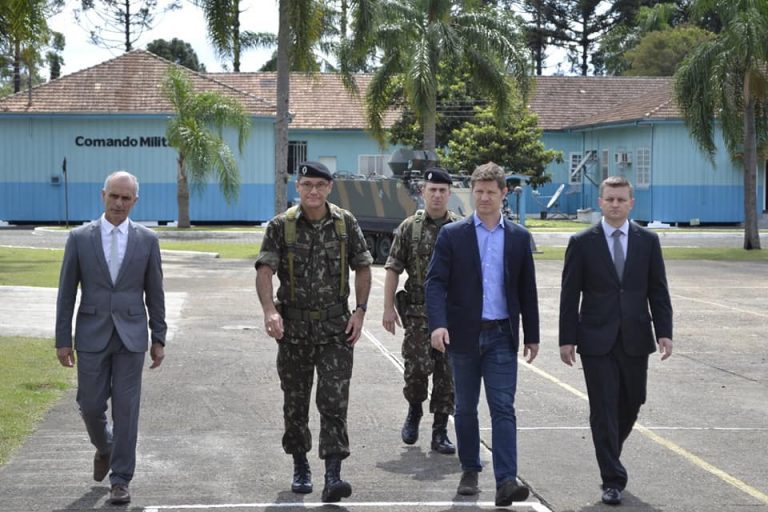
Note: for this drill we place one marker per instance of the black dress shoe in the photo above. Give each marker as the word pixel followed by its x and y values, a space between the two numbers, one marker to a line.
pixel 612 496
pixel 510 492
pixel 101 465
pixel 119 494
pixel 468 484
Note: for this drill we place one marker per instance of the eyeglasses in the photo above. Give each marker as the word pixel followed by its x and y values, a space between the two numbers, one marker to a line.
pixel 320 186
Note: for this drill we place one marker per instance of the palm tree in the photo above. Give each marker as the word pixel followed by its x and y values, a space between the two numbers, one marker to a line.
pixel 299 28
pixel 223 20
pixel 726 78
pixel 202 151
pixel 415 36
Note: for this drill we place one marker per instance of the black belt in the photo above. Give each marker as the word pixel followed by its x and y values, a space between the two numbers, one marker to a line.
pixel 493 324
pixel 310 314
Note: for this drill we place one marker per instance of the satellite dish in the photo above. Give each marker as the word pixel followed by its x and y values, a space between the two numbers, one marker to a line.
pixel 555 197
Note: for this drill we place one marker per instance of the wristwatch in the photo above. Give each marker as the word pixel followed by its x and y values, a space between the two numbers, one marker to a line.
pixel 364 307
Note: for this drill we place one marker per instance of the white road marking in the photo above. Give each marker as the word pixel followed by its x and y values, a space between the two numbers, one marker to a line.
pixel 536 507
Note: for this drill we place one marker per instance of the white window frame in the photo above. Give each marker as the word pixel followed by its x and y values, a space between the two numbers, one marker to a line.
pixel 574 162
pixel 605 162
pixel 372 163
pixel 642 166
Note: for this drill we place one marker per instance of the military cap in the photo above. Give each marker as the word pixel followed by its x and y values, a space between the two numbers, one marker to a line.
pixel 437 175
pixel 314 170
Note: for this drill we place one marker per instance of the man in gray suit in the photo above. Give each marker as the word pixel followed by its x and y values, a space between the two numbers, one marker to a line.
pixel 117 265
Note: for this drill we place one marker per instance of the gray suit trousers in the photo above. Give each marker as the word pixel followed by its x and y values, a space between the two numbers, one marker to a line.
pixel 114 373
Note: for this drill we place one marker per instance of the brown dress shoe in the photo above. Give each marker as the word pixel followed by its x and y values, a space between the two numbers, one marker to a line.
pixel 119 494
pixel 101 466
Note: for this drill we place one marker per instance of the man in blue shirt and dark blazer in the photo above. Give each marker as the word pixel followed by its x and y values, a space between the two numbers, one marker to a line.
pixel 614 296
pixel 480 282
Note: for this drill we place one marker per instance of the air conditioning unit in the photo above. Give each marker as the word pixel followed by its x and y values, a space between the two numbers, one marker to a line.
pixel 623 158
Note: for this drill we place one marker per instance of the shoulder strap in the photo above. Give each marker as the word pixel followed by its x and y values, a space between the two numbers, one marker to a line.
pixel 341 232
pixel 289 233
pixel 416 231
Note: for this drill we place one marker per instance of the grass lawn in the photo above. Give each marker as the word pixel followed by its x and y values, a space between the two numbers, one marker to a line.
pixel 30 267
pixel 31 379
pixel 223 249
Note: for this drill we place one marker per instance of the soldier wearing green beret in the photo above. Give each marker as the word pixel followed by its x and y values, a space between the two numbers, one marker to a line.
pixel 311 248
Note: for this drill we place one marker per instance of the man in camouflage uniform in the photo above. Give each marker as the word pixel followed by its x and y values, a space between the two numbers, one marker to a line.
pixel 411 251
pixel 312 248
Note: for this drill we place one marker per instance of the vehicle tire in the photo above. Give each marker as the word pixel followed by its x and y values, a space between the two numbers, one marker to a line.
pixel 370 241
pixel 383 247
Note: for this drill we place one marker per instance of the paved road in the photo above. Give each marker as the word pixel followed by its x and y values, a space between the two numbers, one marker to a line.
pixel 211 420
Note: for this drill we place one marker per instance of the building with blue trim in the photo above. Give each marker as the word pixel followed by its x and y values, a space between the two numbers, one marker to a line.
pixel 113 116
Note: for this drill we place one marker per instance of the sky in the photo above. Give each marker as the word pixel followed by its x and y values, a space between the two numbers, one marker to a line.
pixel 187 24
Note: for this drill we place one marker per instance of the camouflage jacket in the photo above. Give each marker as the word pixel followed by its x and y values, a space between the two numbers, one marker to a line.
pixel 317 260
pixel 414 259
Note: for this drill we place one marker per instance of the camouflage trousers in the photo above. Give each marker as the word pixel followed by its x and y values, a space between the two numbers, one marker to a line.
pixel 296 365
pixel 421 361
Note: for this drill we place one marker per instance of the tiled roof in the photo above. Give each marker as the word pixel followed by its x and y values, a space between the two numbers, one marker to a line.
pixel 563 102
pixel 318 101
pixel 130 83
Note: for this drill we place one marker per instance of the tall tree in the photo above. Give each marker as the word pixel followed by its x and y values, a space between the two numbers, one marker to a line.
pixel 23 31
pixel 416 36
pixel 725 79
pixel 299 28
pixel 118 24
pixel 659 53
pixel 196 131
pixel 53 57
pixel 224 32
pixel 177 51
pixel 579 26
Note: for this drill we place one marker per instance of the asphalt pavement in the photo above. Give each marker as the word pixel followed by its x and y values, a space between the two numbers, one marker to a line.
pixel 212 423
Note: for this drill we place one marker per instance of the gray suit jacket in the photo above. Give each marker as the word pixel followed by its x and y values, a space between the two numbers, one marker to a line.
pixel 104 306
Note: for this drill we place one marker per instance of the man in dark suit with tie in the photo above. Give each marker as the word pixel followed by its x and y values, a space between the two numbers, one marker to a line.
pixel 117 265
pixel 480 282
pixel 614 297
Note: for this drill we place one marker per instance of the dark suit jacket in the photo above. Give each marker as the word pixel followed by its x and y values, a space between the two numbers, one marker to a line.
pixel 608 305
pixel 454 284
pixel 104 306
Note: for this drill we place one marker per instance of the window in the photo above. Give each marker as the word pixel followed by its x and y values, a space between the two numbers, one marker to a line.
pixel 297 152
pixel 643 167
pixel 604 156
pixel 372 164
pixel 574 177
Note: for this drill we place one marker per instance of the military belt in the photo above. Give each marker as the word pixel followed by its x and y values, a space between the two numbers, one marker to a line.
pixel 307 315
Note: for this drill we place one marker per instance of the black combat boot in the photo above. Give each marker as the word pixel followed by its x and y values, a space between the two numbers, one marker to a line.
pixel 410 431
pixel 335 488
pixel 440 441
pixel 302 476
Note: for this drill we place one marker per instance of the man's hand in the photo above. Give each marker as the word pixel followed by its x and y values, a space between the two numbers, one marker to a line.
pixel 273 323
pixel 440 339
pixel 157 353
pixel 66 356
pixel 665 348
pixel 389 319
pixel 530 351
pixel 355 326
pixel 568 354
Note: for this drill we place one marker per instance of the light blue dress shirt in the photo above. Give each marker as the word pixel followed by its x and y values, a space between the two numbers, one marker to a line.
pixel 490 243
pixel 608 230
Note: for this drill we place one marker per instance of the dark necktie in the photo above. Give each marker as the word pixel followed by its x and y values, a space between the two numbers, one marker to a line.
pixel 618 253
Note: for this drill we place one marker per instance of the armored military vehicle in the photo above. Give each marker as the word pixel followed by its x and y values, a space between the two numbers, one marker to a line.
pixel 380 203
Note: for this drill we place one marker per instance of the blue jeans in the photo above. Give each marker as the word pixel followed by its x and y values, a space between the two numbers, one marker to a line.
pixel 496 364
